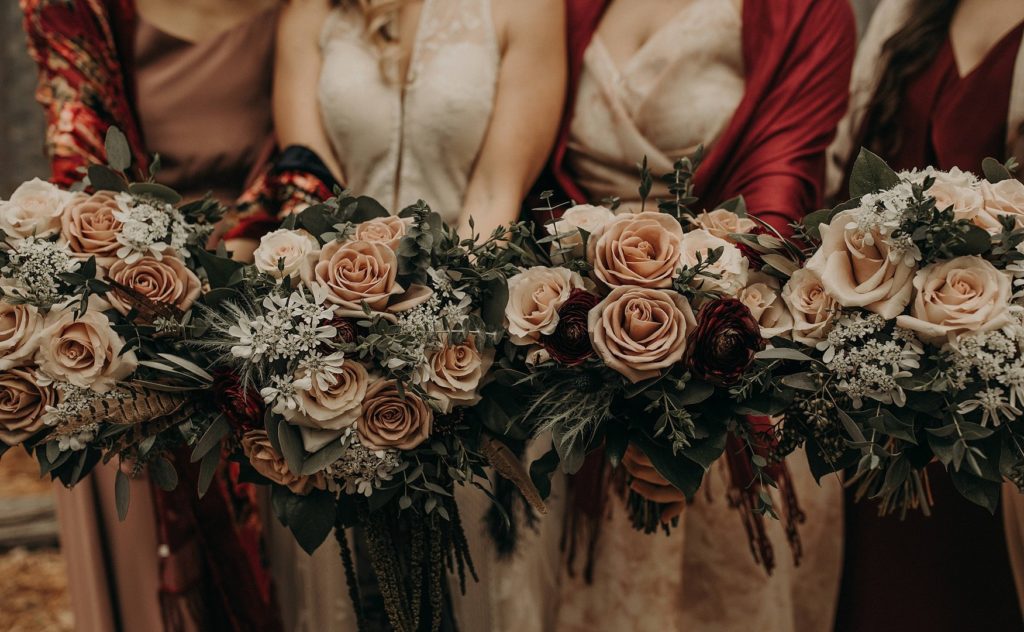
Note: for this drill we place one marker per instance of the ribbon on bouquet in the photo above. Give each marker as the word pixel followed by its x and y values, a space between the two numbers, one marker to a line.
pixel 591 485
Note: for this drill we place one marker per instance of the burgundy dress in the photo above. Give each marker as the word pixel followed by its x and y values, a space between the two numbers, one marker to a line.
pixel 950 571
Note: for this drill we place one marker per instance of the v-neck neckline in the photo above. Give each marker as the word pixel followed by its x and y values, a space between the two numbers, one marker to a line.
pixel 992 50
pixel 217 37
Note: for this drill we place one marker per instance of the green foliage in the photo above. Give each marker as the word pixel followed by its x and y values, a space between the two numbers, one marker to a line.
pixel 871 174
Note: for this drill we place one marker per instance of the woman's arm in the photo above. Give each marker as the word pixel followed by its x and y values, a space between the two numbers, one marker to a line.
pixel 297 117
pixel 527 110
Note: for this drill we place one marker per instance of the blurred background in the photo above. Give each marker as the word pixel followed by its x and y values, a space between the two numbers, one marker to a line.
pixel 37 600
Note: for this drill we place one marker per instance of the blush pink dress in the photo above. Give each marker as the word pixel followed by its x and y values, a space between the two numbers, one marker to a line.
pixel 205 108
pixel 679 91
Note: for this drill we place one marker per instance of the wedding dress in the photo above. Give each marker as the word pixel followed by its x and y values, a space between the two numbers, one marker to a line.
pixel 679 91
pixel 400 142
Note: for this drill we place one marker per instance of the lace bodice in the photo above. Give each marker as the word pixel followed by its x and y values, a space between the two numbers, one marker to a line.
pixel 418 139
pixel 678 91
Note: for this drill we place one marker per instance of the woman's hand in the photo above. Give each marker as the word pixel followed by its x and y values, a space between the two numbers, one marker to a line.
pixel 648 483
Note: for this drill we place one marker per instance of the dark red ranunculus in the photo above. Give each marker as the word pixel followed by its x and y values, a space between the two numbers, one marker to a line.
pixel 346 329
pixel 753 256
pixel 243 408
pixel 570 342
pixel 723 345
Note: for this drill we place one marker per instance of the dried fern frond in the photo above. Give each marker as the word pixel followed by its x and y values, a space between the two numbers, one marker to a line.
pixel 509 466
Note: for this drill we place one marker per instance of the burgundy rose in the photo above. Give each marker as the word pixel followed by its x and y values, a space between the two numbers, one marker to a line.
pixel 570 343
pixel 753 256
pixel 724 343
pixel 243 408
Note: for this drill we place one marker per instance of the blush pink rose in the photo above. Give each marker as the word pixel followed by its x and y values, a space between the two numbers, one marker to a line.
pixel 85 352
pixel 390 420
pixel 34 209
pixel 639 249
pixel 763 297
pixel 965 201
pixel 958 296
pixel 90 228
pixel 585 217
pixel 731 268
pixel 282 252
pixel 455 372
pixel 1005 198
pixel 336 406
pixel 857 269
pixel 638 332
pixel 165 281
pixel 384 230
pixel 355 272
pixel 270 464
pixel 812 308
pixel 534 298
pixel 22 404
pixel 722 223
pixel 20 327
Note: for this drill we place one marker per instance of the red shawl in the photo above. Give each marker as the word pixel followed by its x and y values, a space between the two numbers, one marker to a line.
pixel 83 50
pixel 798 55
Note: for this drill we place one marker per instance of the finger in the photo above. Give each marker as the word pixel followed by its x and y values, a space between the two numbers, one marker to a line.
pixel 672 511
pixel 657 493
pixel 648 474
pixel 636 455
pixel 220 229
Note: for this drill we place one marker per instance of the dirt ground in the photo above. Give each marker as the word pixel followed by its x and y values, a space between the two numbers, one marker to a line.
pixel 33 583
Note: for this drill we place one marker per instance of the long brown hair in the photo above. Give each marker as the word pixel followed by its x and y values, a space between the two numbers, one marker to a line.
pixel 905 55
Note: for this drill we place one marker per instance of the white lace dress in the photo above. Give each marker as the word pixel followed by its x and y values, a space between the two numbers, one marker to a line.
pixel 679 91
pixel 398 143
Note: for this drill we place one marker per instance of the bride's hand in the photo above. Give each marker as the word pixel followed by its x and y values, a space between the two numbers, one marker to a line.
pixel 648 483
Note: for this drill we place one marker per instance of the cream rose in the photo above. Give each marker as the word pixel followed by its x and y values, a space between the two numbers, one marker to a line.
pixel 639 249
pixel 325 406
pixel 722 223
pixel 1002 198
pixel 20 327
pixel 355 272
pixel 958 296
pixel 282 252
pixel 384 230
pixel 812 308
pixel 22 404
pixel 732 266
pixel 390 420
pixel 640 331
pixel 965 201
pixel 534 297
pixel 763 297
pixel 85 352
pixel 454 373
pixel 34 209
pixel 270 464
pixel 89 227
pixel 165 281
pixel 857 268
pixel 587 217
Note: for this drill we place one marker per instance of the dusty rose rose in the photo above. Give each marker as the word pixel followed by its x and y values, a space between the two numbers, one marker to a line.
pixel 20 327
pixel 763 297
pixel 856 268
pixel 724 342
pixel 534 297
pixel 587 217
pixel 327 406
pixel 639 249
pixel 355 272
pixel 165 281
pixel 966 201
pixel 640 331
pixel 732 266
pixel 22 404
pixel 812 308
pixel 89 227
pixel 721 223
pixel 454 374
pixel 35 209
pixel 958 296
pixel 85 352
pixel 390 420
pixel 384 230
pixel 282 252
pixel 270 464
pixel 1001 198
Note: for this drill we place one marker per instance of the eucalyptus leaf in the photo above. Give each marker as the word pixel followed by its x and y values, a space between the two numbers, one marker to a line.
pixel 220 270
pixel 122 494
pixel 977 490
pixel 158 191
pixel 311 519
pixel 705 452
pixel 291 446
pixel 163 474
pixel 119 153
pixel 323 457
pixel 103 179
pixel 783 353
pixel 894 426
pixel 870 174
pixel 211 438
pixel 495 301
pixel 207 469
pixel 995 171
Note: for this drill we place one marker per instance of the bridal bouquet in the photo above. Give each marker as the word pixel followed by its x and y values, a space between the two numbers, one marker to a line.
pixel 629 330
pixel 348 359
pixel 96 289
pixel 909 322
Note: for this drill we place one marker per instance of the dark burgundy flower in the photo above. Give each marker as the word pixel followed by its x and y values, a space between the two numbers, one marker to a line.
pixel 243 408
pixel 723 345
pixel 570 342
pixel 346 329
pixel 753 256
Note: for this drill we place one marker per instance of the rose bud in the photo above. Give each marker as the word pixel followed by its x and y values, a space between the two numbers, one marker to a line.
pixel 570 343
pixel 723 345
